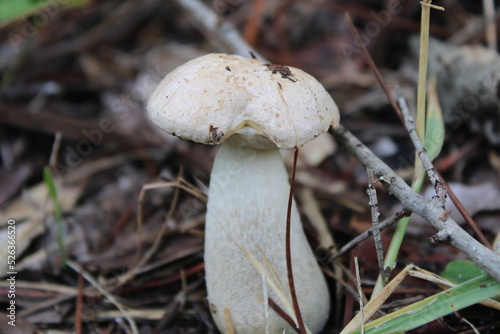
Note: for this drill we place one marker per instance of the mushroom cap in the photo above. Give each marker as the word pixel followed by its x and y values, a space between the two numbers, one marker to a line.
pixel 213 97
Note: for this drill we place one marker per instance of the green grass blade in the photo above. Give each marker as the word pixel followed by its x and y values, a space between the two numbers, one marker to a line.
pixel 434 125
pixel 466 294
pixel 11 10
pixel 460 271
pixel 49 183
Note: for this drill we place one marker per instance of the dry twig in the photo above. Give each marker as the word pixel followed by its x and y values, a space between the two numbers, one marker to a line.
pixel 431 210
pixel 373 204
pixel 467 217
pixel 76 267
pixel 441 190
pixel 489 18
pixel 365 235
pixel 210 22
pixel 360 292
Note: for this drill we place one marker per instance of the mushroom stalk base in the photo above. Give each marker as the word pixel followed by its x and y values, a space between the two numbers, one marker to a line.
pixel 247 205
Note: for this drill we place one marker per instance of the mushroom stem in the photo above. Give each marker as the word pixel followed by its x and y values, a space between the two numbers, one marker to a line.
pixel 247 207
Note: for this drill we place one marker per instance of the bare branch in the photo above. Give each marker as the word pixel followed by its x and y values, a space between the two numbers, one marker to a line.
pixel 211 22
pixel 431 210
pixel 441 190
pixel 365 235
pixel 373 203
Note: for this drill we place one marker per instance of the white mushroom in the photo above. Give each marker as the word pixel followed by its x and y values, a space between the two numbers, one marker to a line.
pixel 252 109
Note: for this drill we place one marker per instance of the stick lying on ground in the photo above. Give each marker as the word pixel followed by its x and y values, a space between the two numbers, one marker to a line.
pixel 448 230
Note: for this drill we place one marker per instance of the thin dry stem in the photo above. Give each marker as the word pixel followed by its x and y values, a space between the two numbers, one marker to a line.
pixel 467 217
pixel 489 18
pixel 441 190
pixel 76 267
pixel 374 305
pixel 228 322
pixel 289 266
pixel 365 235
pixel 373 204
pixel 282 314
pixel 79 305
pixel 211 22
pixel 55 149
pixel 157 242
pixel 360 295
pixel 373 67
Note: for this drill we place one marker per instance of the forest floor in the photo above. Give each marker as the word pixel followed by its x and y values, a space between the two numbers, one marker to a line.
pixel 127 210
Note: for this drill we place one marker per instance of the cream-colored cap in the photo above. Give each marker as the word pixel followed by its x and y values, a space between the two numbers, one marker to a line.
pixel 213 97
